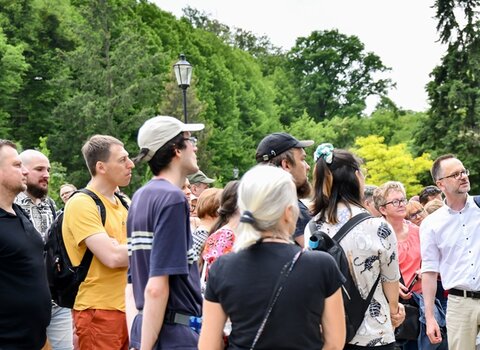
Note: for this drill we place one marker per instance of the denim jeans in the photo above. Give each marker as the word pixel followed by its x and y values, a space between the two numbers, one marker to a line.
pixel 60 330
pixel 423 343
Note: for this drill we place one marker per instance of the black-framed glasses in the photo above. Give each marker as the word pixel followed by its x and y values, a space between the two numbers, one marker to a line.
pixel 415 215
pixel 192 139
pixel 457 175
pixel 396 202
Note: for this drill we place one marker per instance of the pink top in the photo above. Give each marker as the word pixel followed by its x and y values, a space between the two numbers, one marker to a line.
pixel 218 243
pixel 409 257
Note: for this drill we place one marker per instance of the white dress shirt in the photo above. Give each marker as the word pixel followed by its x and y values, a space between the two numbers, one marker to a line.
pixel 450 245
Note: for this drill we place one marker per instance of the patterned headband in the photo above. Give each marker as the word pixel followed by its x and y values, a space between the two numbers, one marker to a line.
pixel 325 151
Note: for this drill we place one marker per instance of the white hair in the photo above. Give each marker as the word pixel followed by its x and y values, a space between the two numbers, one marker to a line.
pixel 265 191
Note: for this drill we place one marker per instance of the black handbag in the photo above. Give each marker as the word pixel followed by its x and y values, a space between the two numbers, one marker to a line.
pixel 410 328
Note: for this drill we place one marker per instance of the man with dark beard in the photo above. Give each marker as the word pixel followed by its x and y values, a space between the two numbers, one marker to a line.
pixel 285 151
pixel 41 211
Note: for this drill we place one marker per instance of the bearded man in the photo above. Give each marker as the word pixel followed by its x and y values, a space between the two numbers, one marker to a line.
pixel 285 151
pixel 41 210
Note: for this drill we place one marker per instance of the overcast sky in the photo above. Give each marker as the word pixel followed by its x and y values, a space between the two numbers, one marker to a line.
pixel 402 33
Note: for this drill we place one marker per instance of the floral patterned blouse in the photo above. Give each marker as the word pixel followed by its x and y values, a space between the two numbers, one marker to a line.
pixel 371 248
pixel 220 242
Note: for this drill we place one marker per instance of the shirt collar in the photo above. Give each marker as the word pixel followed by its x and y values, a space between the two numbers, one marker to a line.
pixel 469 202
pixel 24 198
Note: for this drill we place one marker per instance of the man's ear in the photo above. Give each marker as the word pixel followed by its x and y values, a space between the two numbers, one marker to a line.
pixel 178 152
pixel 440 185
pixel 100 167
pixel 285 165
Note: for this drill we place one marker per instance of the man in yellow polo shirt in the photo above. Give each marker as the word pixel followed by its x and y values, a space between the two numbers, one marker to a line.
pixel 99 310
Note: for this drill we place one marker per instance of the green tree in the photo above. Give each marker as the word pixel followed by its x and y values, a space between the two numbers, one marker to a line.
pixel 385 163
pixel 453 120
pixel 57 173
pixel 335 75
pixel 115 82
pixel 40 27
pixel 12 70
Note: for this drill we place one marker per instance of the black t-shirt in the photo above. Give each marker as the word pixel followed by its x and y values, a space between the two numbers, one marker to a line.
pixel 303 219
pixel 243 284
pixel 25 302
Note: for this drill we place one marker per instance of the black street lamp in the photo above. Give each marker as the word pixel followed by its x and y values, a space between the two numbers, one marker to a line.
pixel 183 73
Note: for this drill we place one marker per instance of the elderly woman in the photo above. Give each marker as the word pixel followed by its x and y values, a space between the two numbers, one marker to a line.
pixel 390 199
pixel 262 285
pixel 370 246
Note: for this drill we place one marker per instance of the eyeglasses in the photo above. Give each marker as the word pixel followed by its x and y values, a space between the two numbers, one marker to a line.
pixel 415 215
pixel 396 202
pixel 192 139
pixel 457 175
pixel 67 193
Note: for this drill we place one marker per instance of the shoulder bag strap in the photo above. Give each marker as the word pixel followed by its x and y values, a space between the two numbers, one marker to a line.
pixel 287 268
pixel 350 224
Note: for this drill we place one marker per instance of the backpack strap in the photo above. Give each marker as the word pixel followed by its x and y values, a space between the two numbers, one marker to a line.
pixel 51 204
pixel 350 224
pixel 98 203
pixel 122 200
pixel 88 256
pixel 476 199
pixel 372 291
pixel 312 226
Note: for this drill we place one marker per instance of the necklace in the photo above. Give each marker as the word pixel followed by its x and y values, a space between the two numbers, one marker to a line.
pixel 275 238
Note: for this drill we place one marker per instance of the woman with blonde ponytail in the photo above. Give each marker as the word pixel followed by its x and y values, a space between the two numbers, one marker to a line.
pixel 261 286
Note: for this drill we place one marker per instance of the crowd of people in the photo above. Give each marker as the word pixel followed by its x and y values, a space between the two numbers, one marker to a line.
pixel 186 265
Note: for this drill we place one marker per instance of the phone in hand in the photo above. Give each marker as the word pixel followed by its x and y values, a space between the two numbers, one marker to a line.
pixel 414 280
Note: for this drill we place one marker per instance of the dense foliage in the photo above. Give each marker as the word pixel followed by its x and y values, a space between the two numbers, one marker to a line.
pixel 73 68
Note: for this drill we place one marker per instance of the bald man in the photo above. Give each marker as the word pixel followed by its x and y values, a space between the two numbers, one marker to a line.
pixel 41 211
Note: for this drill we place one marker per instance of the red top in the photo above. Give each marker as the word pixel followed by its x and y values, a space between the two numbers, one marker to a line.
pixel 409 257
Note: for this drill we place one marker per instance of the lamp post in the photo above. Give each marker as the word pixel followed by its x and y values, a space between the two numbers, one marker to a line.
pixel 183 73
pixel 236 172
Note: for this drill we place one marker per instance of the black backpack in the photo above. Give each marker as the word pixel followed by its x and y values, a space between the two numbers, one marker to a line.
pixel 355 305
pixel 64 279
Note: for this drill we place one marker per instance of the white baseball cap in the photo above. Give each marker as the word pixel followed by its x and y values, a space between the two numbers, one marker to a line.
pixel 157 131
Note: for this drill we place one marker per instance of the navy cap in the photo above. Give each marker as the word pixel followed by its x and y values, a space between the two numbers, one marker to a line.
pixel 275 144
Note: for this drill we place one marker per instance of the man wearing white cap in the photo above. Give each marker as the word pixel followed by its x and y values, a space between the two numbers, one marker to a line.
pixel 164 276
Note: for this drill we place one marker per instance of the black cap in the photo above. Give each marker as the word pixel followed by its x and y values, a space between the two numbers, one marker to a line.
pixel 274 144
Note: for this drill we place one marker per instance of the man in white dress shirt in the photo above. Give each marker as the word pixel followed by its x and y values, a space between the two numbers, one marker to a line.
pixel 450 243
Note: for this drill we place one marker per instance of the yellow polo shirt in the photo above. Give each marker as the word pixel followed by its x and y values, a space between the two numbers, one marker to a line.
pixel 103 288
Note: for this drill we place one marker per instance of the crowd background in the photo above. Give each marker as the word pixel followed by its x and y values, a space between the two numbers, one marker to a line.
pixel 70 69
